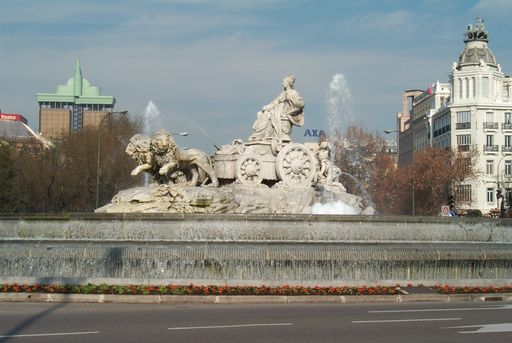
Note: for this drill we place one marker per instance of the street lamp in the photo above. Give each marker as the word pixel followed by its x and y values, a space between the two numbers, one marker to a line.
pixel 180 133
pixel 98 170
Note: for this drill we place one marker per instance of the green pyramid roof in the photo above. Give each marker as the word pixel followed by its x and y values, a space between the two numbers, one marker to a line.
pixel 77 90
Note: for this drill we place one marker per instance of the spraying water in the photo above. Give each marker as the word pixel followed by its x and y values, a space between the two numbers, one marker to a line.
pixel 152 118
pixel 339 100
pixel 152 122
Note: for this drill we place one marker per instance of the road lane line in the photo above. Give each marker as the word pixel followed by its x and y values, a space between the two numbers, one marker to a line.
pixel 51 334
pixel 486 328
pixel 506 307
pixel 403 320
pixel 227 326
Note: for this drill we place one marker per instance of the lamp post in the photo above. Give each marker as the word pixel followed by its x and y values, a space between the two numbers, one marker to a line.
pixel 98 170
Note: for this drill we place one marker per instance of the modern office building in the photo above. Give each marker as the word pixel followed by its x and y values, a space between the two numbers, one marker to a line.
pixel 74 106
pixel 473 110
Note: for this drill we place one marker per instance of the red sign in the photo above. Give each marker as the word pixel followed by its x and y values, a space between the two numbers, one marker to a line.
pixel 13 117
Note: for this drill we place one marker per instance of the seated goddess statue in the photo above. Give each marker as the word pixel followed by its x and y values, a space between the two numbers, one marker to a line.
pixel 274 122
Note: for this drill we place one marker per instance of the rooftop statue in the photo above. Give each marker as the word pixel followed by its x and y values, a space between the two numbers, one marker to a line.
pixel 477 33
pixel 274 121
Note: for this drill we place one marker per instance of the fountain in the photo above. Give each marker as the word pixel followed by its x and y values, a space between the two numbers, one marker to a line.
pixel 247 220
pixel 267 173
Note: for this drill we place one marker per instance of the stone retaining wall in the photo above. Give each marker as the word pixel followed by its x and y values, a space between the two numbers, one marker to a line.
pixel 254 249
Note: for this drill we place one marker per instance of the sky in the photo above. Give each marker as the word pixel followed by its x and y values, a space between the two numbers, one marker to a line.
pixel 210 65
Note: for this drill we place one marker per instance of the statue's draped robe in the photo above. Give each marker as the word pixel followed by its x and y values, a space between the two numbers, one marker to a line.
pixel 274 122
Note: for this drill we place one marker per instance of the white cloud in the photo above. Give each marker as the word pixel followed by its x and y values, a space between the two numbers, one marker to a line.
pixel 496 7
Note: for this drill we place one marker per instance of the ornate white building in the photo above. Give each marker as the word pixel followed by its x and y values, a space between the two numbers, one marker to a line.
pixel 473 110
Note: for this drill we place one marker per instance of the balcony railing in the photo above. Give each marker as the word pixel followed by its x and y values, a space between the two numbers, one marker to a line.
pixel 460 126
pixel 506 148
pixel 491 148
pixel 506 126
pixel 490 125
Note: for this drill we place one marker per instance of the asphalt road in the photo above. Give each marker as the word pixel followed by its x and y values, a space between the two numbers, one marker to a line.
pixel 409 322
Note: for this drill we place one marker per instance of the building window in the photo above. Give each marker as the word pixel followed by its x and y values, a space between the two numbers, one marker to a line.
pixel 508 168
pixel 490 194
pixel 460 89
pixel 474 87
pixel 463 120
pixel 463 142
pixel 489 121
pixel 462 194
pixel 507 123
pixel 508 141
pixel 489 140
pixel 467 88
pixel 485 87
pixel 489 167
pixel 489 117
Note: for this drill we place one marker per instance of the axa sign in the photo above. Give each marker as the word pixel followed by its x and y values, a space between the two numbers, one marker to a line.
pixel 314 133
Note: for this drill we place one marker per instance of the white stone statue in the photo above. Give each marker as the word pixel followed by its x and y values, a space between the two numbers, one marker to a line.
pixel 274 122
pixel 328 172
pixel 161 157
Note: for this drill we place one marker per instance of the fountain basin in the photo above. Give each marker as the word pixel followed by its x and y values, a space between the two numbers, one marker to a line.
pixel 254 249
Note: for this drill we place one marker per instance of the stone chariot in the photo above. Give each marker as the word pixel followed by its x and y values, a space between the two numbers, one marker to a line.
pixel 255 163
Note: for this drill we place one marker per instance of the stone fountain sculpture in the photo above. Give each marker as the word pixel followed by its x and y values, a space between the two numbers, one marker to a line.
pixel 266 174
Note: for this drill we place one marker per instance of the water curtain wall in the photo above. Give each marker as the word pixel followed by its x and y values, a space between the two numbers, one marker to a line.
pixel 254 250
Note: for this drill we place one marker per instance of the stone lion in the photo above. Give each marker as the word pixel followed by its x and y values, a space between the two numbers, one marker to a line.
pixel 166 160
pixel 139 149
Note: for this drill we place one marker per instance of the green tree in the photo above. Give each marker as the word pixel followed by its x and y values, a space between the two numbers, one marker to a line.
pixel 9 195
pixel 63 179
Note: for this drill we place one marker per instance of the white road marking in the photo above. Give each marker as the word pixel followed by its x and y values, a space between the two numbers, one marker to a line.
pixel 505 307
pixel 51 334
pixel 486 328
pixel 403 320
pixel 227 326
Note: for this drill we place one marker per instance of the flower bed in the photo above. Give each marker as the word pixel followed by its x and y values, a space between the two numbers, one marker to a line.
pixel 446 289
pixel 236 290
pixel 197 290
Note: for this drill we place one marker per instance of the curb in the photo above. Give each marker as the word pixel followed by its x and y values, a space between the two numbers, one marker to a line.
pixel 246 299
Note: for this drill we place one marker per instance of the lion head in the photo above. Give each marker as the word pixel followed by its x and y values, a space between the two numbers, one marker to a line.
pixel 139 148
pixel 162 144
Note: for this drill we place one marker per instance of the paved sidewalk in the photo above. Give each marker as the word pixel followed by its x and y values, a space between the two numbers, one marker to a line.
pixel 243 299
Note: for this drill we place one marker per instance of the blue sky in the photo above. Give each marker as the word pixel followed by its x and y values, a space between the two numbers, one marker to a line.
pixel 210 65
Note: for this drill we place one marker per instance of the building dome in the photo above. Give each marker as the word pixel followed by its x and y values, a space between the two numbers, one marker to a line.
pixel 473 55
pixel 476 50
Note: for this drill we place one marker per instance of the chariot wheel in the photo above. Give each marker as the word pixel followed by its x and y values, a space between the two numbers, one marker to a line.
pixel 249 170
pixel 296 165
